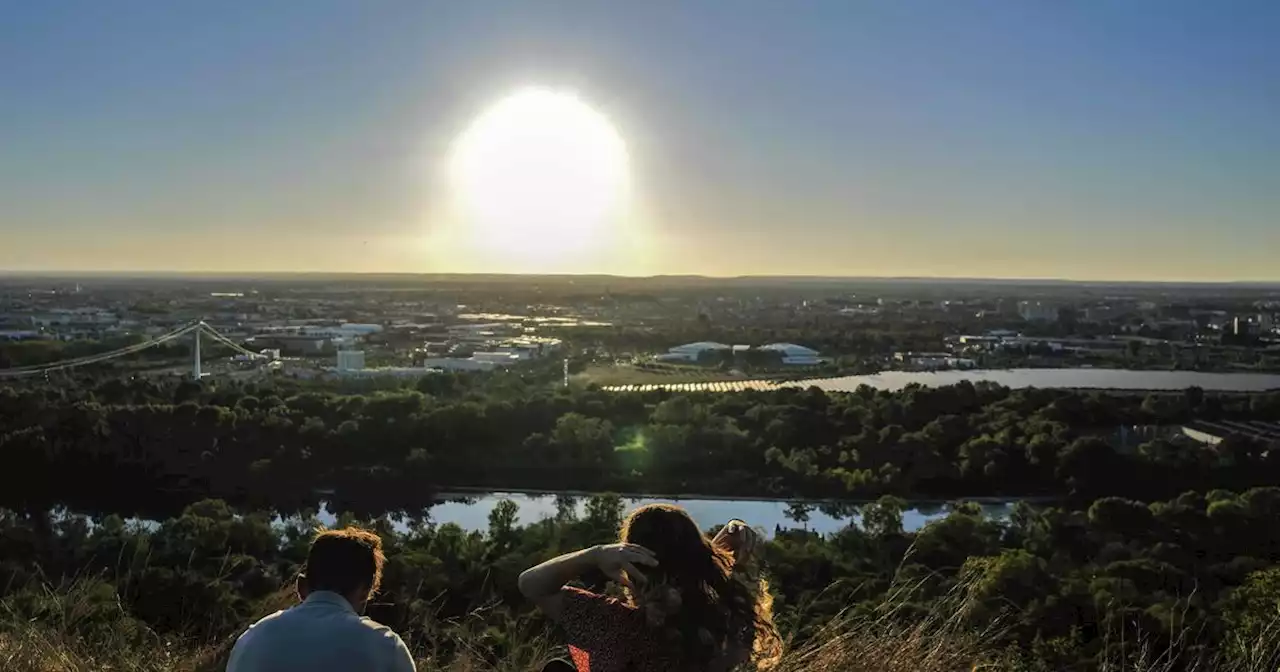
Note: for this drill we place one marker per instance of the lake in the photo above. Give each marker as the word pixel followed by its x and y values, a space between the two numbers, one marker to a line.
pixel 1103 379
pixel 473 512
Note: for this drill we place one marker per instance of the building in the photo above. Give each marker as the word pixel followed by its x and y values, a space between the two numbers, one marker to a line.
pixel 932 361
pixel 793 354
pixel 1213 433
pixel 458 364
pixel 1100 314
pixel 360 329
pixel 508 353
pixel 692 352
pixel 1037 311
pixel 528 347
pixel 350 360
pixel 343 334
pixel 388 372
pixel 498 357
pixel 978 341
pixel 63 317
pixel 295 343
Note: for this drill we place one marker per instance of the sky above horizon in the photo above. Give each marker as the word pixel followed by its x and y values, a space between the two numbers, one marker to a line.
pixel 1132 140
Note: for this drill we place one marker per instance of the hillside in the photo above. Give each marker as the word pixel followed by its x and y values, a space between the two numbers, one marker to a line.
pixel 143 526
pixel 1109 588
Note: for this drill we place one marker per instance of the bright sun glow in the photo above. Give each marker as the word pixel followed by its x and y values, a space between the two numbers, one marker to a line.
pixel 539 177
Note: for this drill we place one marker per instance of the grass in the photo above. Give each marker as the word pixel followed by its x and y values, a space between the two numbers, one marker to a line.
pixel 846 644
pixel 82 628
pixel 73 629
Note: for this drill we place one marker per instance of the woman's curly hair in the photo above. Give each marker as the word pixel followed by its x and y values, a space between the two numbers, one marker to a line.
pixel 716 614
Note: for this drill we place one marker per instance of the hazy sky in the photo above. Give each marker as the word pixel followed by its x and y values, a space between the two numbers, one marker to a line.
pixel 1135 139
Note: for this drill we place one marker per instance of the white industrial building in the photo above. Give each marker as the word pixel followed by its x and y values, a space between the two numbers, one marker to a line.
pixel 794 354
pixel 933 361
pixel 691 352
pixel 499 357
pixel 500 354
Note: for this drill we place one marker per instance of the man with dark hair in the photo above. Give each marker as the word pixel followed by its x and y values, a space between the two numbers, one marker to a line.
pixel 326 631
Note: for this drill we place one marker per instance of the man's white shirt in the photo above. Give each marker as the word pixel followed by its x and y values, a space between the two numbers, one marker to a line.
pixel 323 633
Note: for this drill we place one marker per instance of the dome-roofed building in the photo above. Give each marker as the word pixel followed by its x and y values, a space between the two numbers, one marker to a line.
pixel 794 354
pixel 691 352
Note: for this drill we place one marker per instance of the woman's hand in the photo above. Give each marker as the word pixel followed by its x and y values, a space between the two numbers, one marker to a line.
pixel 618 562
pixel 739 538
pixel 543 584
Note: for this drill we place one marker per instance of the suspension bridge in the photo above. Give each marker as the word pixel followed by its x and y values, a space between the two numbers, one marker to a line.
pixel 194 329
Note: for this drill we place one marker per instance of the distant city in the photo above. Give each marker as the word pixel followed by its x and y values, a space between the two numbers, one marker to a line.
pixel 626 331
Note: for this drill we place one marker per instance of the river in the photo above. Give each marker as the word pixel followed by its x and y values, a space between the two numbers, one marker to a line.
pixel 1103 379
pixel 472 513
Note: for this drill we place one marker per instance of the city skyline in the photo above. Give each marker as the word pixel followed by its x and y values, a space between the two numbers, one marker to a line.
pixel 913 139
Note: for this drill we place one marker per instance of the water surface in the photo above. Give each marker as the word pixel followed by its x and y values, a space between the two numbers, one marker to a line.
pixel 768 515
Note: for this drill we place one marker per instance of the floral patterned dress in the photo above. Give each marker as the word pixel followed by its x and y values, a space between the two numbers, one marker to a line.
pixel 608 635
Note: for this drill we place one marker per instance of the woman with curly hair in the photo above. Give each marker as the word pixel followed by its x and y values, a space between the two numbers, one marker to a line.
pixel 691 603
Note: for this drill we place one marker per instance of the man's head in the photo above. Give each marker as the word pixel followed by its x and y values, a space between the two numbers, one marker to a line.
pixel 347 562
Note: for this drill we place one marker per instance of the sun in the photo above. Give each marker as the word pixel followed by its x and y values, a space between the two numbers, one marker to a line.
pixel 539 177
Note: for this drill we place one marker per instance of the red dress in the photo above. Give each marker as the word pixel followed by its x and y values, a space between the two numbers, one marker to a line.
pixel 607 635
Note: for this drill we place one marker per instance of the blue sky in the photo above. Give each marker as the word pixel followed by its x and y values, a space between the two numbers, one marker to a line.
pixel 1091 140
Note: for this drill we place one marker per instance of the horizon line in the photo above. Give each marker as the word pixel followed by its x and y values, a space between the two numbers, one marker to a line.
pixel 7 273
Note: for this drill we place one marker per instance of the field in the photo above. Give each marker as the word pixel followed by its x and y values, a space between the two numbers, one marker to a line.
pixel 665 375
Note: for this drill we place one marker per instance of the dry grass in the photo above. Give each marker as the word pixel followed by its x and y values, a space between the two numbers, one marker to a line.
pixel 885 639
pixel 69 636
pixel 74 629
pixel 77 631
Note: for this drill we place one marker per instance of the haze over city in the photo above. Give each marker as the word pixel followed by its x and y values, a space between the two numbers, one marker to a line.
pixel 1124 141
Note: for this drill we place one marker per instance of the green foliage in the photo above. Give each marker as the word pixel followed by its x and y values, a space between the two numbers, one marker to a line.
pixel 1053 586
pixel 214 466
pixel 150 448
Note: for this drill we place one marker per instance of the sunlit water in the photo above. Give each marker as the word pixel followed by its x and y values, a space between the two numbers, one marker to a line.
pixel 1111 379
pixel 472 512
pixel 768 515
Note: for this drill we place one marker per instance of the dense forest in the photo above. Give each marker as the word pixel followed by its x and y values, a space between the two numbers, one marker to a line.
pixel 140 447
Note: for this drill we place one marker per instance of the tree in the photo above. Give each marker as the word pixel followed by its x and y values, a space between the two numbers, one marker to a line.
pixel 1123 518
pixel 884 516
pixel 799 512
pixel 1011 579
pixel 604 514
pixel 585 440
pixel 502 525
pixel 1088 465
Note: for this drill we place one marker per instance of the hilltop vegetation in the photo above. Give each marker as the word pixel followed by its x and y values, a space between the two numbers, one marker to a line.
pixel 1176 584
pixel 1158 553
